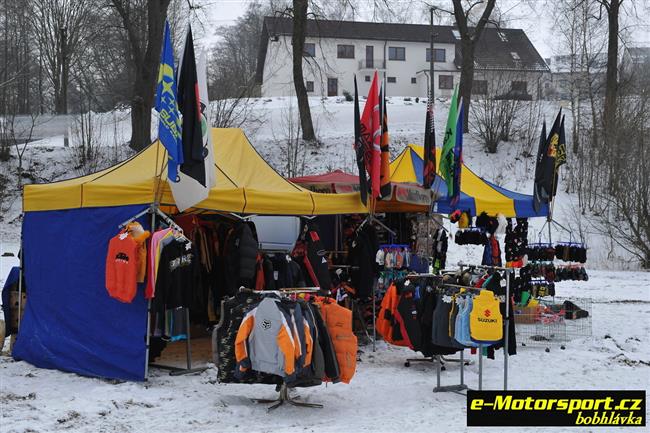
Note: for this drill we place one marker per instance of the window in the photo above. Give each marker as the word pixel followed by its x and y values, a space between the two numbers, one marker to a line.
pixel 396 53
pixel 445 81
pixel 414 80
pixel 345 51
pixel 309 85
pixel 368 78
pixel 520 87
pixel 439 55
pixel 515 56
pixel 479 87
pixel 502 36
pixel 456 33
pixel 392 79
pixel 310 49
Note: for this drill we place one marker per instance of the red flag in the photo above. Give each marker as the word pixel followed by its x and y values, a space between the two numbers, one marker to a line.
pixel 371 132
pixel 384 172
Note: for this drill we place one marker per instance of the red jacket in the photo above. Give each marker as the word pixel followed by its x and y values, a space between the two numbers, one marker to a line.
pixel 122 267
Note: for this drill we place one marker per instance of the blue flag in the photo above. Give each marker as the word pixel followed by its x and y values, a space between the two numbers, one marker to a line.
pixel 169 126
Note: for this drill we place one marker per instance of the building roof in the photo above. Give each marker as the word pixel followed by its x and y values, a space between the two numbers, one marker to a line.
pixel 639 54
pixel 562 63
pixel 494 49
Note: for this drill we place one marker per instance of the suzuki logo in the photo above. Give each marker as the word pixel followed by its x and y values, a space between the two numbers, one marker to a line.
pixel 487 313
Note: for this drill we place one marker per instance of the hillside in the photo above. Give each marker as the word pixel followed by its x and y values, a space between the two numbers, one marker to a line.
pixel 268 126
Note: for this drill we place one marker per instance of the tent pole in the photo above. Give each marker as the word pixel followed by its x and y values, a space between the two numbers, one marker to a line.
pixel 506 325
pixel 188 346
pixel 20 279
pixel 146 357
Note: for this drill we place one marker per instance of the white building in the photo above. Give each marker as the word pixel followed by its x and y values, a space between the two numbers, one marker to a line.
pixel 506 61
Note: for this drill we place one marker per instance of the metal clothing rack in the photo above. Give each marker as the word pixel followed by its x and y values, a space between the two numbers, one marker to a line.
pixel 506 323
pixel 175 371
pixel 284 396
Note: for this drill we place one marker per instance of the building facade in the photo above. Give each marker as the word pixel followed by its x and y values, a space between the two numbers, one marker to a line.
pixel 506 62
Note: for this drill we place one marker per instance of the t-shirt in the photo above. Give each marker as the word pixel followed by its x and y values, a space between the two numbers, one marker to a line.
pixel 176 272
pixel 122 267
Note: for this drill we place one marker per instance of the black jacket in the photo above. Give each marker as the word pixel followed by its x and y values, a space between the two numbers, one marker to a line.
pixel 241 257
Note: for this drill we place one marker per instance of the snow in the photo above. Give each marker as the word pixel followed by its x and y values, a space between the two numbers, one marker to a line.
pixel 384 396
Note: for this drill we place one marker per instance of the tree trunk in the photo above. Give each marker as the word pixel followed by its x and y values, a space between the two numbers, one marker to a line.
pixel 298 45
pixel 466 79
pixel 146 74
pixel 468 39
pixel 611 89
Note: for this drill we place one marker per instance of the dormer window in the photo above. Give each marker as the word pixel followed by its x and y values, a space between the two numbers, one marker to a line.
pixel 502 36
pixel 514 55
pixel 456 33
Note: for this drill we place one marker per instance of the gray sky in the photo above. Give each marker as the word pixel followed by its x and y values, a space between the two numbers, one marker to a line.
pixel 535 17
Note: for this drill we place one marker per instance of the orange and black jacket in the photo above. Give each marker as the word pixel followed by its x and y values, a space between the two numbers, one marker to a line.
pixel 266 341
pixel 339 325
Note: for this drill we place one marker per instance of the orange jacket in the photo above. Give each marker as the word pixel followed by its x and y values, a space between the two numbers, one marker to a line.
pixel 122 267
pixel 388 319
pixel 339 325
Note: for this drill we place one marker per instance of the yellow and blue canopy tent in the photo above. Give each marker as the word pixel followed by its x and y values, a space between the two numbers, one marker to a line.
pixel 70 322
pixel 477 194
pixel 246 184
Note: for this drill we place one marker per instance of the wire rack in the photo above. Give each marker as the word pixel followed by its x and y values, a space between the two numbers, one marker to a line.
pixel 553 322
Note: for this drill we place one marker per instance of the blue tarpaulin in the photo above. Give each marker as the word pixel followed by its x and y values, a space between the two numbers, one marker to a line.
pixel 71 323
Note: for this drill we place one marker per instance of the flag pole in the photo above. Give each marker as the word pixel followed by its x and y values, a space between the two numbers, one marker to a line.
pixel 431 101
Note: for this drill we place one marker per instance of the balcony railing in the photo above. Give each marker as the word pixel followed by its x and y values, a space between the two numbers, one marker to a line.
pixel 371 64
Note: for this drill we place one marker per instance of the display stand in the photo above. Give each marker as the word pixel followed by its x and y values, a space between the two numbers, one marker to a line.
pixel 174 371
pixel 284 397
pixel 457 387
pixel 506 321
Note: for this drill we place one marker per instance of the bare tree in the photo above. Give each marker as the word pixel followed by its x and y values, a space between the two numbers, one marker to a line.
pixel 62 29
pixel 293 149
pixel 495 114
pixel 298 48
pixel 469 36
pixel 612 7
pixel 143 21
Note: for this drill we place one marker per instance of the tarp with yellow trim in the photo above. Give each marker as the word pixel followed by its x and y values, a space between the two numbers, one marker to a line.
pixel 246 184
pixel 477 194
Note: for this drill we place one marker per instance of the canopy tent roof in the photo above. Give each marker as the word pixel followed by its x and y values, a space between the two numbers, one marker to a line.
pixel 245 184
pixel 477 194
pixel 336 181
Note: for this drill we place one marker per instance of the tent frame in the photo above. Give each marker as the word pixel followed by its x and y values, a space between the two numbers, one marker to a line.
pixel 175 371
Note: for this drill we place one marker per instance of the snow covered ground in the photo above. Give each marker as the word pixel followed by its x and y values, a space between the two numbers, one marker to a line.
pixel 384 396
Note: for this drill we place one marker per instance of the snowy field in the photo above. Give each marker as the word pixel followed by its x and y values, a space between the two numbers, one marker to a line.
pixel 384 396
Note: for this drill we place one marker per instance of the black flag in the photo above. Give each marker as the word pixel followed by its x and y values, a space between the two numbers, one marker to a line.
pixel 537 189
pixel 188 104
pixel 549 172
pixel 359 148
pixel 429 167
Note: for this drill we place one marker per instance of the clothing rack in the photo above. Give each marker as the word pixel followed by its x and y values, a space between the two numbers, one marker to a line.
pixel 506 324
pixel 373 219
pixel 284 396
pixel 284 291
pixel 175 371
